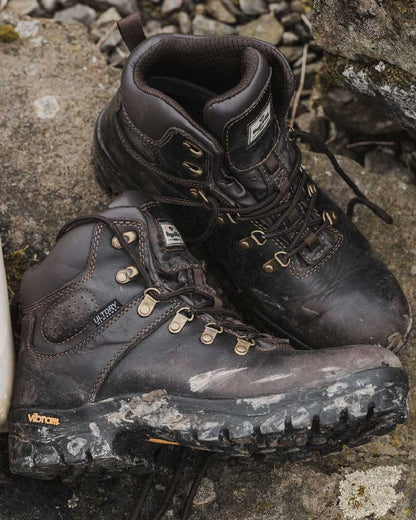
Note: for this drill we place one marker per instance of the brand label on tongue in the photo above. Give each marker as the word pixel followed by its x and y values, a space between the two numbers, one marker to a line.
pixel 258 125
pixel 171 235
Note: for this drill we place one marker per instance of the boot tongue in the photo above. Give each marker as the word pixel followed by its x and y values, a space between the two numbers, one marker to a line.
pixel 169 260
pixel 243 119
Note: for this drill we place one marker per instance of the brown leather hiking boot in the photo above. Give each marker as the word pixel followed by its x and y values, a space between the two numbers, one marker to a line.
pixel 125 348
pixel 200 124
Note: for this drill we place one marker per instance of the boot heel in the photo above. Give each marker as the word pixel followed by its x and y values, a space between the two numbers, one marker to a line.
pixel 67 445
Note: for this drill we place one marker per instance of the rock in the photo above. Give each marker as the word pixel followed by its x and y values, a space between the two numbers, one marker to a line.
pixel 124 7
pixel 166 29
pixel 266 28
pixel 302 32
pixel 50 5
pixel 290 38
pixel 311 71
pixel 8 33
pixel 217 10
pixel 108 17
pixel 104 29
pixel 290 19
pixel 205 26
pixel 297 6
pixel 22 7
pixel 206 492
pixel 377 30
pixel 170 6
pixel 383 163
pixel 278 8
pixel 373 48
pixel 184 21
pixel 253 7
pixel 354 113
pixel 292 54
pixel 79 13
pixel 27 28
pixel 47 179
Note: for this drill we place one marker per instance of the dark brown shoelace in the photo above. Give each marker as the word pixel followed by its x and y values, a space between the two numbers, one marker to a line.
pixel 226 317
pixel 280 207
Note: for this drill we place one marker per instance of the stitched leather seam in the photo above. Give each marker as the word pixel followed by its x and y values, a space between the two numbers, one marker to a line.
pixel 153 169
pixel 92 261
pixel 73 335
pixel 86 340
pixel 252 107
pixel 126 348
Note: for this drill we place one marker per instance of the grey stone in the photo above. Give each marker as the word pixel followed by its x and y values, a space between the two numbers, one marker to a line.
pixel 253 7
pixel 205 26
pixel 206 493
pixel 290 38
pixel 355 113
pixel 124 7
pixel 47 179
pixel 291 53
pixel 79 13
pixel 184 21
pixel 290 19
pixel 22 7
pixel 383 163
pixel 166 29
pixel 217 10
pixel 104 29
pixel 50 5
pixel 373 45
pixel 278 8
pixel 298 6
pixel 170 6
pixel 266 28
pixel 379 30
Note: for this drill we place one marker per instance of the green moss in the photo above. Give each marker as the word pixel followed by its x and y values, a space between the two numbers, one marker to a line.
pixel 15 267
pixel 8 34
pixel 330 76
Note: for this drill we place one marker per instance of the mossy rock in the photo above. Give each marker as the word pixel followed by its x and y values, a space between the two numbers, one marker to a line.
pixel 8 33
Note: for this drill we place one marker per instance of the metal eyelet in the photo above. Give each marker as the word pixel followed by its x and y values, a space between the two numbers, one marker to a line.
pixel 210 333
pixel 193 149
pixel 195 194
pixel 329 216
pixel 271 266
pixel 148 303
pixel 127 274
pixel 180 320
pixel 252 240
pixel 312 189
pixel 129 237
pixel 195 170
pixel 243 346
pixel 231 219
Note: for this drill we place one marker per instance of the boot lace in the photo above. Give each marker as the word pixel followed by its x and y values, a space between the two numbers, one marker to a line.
pixel 225 318
pixel 280 206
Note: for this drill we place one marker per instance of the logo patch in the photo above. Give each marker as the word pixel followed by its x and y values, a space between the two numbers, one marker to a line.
pixel 257 127
pixel 42 419
pixel 171 235
pixel 106 312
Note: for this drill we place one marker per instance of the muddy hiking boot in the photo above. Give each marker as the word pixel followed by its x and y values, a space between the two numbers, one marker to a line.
pixel 200 123
pixel 125 348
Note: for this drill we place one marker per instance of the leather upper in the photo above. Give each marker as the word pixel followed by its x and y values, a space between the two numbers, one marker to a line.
pixel 82 339
pixel 334 293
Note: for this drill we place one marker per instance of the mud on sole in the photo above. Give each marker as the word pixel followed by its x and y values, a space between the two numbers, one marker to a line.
pixel 124 433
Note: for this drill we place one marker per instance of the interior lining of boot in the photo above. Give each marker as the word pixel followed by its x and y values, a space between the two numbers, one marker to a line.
pixel 190 96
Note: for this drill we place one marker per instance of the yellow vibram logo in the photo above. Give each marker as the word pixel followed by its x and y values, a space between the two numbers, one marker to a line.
pixel 36 418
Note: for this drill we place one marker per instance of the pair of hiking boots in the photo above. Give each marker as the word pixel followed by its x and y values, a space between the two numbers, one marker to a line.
pixel 124 345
